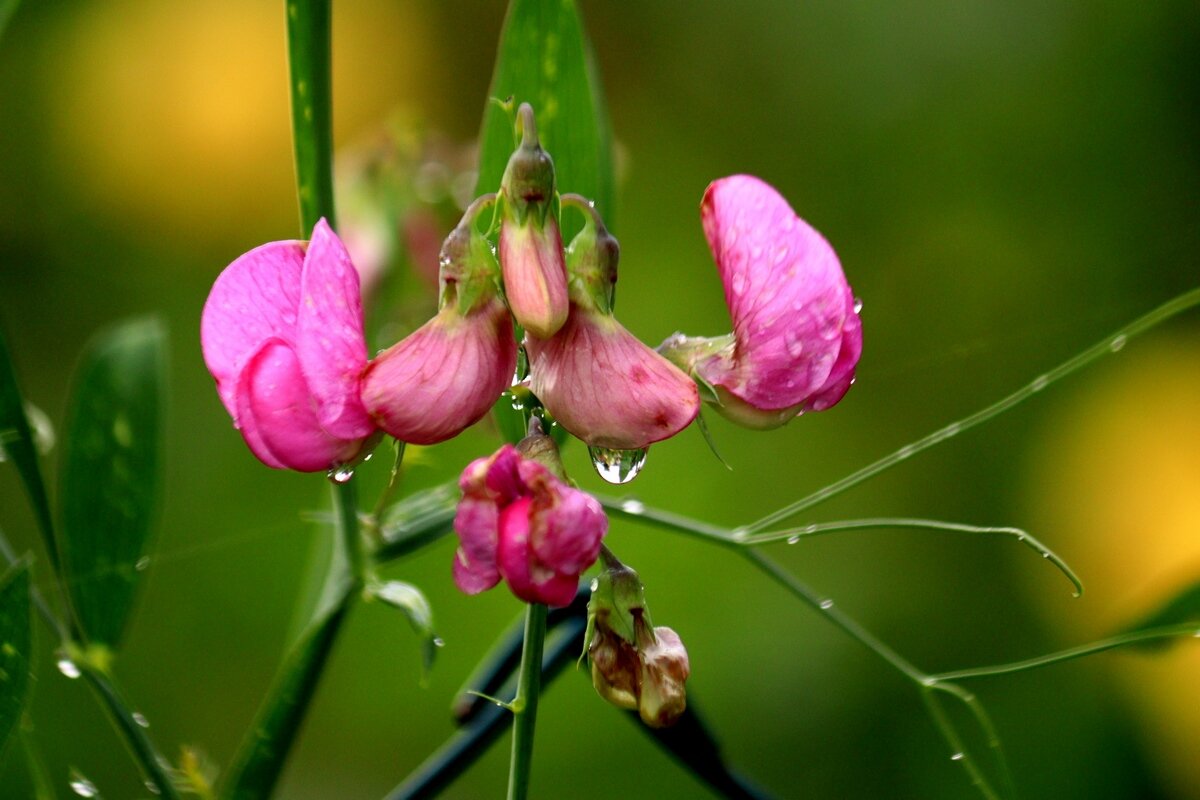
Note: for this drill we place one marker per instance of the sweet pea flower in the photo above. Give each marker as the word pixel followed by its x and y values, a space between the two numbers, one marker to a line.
pixel 597 379
pixel 519 522
pixel 446 375
pixel 796 331
pixel 282 334
pixel 531 251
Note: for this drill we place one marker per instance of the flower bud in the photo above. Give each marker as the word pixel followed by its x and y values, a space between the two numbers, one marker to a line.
pixel 519 522
pixel 446 375
pixel 665 670
pixel 601 383
pixel 531 251
pixel 282 334
pixel 796 332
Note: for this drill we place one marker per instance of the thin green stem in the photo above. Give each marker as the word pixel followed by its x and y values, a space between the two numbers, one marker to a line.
pixel 309 57
pixel 529 686
pixel 1110 344
pixel 960 753
pixel 793 535
pixel 156 768
pixel 345 500
pixel 1111 643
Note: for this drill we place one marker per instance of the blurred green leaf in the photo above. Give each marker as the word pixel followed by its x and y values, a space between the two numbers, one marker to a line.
pixel 7 7
pixel 415 606
pixel 543 59
pixel 15 647
pixel 110 473
pixel 17 442
pixel 1182 609
pixel 417 520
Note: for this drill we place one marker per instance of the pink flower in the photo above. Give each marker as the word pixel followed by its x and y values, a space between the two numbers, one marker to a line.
pixel 796 331
pixel 597 379
pixel 282 334
pixel 446 375
pixel 519 522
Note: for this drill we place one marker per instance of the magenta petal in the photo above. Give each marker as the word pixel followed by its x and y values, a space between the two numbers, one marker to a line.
pixel 787 295
pixel 329 334
pixel 606 387
pixel 252 300
pixel 566 536
pixel 535 275
pixel 528 579
pixel 276 414
pixel 443 377
pixel 471 576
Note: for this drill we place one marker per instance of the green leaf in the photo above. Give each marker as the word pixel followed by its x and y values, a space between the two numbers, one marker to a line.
pixel 110 474
pixel 417 520
pixel 544 60
pixel 18 445
pixel 415 606
pixel 1182 609
pixel 15 647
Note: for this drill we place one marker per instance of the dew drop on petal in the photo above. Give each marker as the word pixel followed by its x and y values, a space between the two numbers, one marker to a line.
pixel 81 785
pixel 858 305
pixel 68 667
pixel 617 466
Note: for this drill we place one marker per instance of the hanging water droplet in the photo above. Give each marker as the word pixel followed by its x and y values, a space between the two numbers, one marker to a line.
pixel 826 604
pixel 793 538
pixel 633 507
pixel 142 564
pixel 617 466
pixel 1045 554
pixel 1117 343
pixel 438 642
pixel 140 719
pixel 858 304
pixel 68 667
pixel 957 757
pixel 81 785
pixel 341 474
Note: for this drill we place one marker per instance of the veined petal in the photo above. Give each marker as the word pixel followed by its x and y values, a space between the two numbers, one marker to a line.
pixel 535 275
pixel 329 334
pixel 443 377
pixel 606 387
pixel 252 300
pixel 276 416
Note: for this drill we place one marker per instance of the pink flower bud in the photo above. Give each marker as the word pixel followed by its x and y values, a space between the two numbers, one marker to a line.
pixel 796 331
pixel 446 375
pixel 531 250
pixel 282 335
pixel 519 522
pixel 606 387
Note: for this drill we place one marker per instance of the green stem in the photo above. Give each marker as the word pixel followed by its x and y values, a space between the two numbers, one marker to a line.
pixel 154 765
pixel 525 704
pixel 309 56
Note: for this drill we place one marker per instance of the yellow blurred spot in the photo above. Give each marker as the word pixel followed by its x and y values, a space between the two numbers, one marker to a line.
pixel 176 114
pixel 1115 488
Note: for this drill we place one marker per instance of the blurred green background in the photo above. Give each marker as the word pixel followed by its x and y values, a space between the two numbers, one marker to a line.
pixel 1005 184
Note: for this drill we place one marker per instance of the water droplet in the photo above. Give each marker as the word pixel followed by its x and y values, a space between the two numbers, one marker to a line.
pixel 633 507
pixel 341 474
pixel 439 641
pixel 81 785
pixel 858 304
pixel 142 564
pixel 617 466
pixel 1045 554
pixel 793 538
pixel 1021 537
pixel 140 719
pixel 595 584
pixel 957 757
pixel 826 604
pixel 1117 343
pixel 68 667
pixel 740 535
pixel 1039 383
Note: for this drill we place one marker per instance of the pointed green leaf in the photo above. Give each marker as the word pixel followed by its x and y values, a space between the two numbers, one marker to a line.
pixel 110 473
pixel 415 606
pixel 1182 609
pixel 544 60
pixel 17 444
pixel 15 647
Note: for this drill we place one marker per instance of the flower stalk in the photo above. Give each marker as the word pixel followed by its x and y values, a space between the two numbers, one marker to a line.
pixel 524 705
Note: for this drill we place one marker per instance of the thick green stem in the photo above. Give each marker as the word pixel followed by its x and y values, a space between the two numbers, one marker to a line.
pixel 309 56
pixel 524 705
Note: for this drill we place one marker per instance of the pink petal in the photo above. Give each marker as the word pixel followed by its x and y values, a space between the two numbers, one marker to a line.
pixel 252 300
pixel 473 577
pixel 329 335
pixel 566 529
pixel 535 275
pixel 606 387
pixel 442 378
pixel 276 415
pixel 528 579
pixel 786 293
